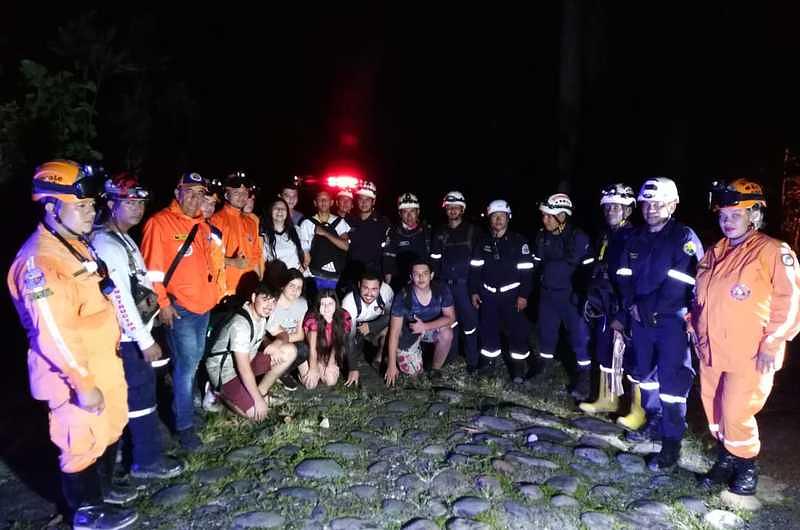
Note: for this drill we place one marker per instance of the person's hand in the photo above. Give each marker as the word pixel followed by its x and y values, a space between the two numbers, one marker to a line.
pixel 91 400
pixel 522 303
pixel 238 261
pixel 167 315
pixel 363 329
pixel 418 327
pixel 616 324
pixel 153 353
pixel 634 310
pixel 311 379
pixel 765 363
pixel 260 409
pixel 391 374
pixel 476 301
pixel 352 378
pixel 319 231
pixel 306 259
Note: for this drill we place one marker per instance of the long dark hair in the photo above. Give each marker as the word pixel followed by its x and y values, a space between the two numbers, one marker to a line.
pixel 338 341
pixel 288 228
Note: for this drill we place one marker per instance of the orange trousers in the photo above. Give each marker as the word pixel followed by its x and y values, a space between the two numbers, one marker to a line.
pixel 731 401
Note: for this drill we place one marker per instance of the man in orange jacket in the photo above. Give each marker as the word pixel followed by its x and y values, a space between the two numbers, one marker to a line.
pixel 178 243
pixel 748 293
pixel 60 290
pixel 244 259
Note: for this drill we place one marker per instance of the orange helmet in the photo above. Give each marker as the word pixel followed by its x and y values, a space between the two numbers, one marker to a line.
pixel 740 193
pixel 64 180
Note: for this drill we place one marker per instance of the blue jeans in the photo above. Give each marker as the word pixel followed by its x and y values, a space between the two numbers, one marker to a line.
pixel 187 342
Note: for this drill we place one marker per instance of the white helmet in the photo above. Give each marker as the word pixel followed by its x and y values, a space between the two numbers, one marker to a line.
pixel 454 198
pixel 556 204
pixel 498 205
pixel 368 189
pixel 407 201
pixel 659 189
pixel 618 193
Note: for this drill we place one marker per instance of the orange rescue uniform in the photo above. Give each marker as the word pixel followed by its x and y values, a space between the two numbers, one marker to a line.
pixel 193 284
pixel 239 237
pixel 73 335
pixel 747 302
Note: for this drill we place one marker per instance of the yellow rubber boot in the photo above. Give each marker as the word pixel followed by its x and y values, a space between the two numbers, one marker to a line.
pixel 606 400
pixel 636 418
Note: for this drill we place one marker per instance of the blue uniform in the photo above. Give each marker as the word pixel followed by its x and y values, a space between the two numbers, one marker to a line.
pixel 402 248
pixel 501 271
pixel 451 252
pixel 656 274
pixel 563 261
pixel 603 294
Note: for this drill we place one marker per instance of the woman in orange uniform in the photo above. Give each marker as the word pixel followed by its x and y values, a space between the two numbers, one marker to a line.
pixel 746 309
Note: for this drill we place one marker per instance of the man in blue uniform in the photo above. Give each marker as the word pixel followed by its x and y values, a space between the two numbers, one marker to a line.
pixel 408 242
pixel 563 253
pixel 368 232
pixel 602 301
pixel 500 283
pixel 451 251
pixel 656 274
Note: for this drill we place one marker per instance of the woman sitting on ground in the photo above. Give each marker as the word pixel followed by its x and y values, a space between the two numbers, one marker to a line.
pixel 327 327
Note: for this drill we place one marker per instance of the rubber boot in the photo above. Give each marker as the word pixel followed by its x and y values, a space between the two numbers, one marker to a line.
pixel 745 476
pixel 722 470
pixel 636 418
pixel 667 458
pixel 606 400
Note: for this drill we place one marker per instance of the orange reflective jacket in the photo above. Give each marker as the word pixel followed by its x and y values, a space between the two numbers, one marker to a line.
pixel 240 238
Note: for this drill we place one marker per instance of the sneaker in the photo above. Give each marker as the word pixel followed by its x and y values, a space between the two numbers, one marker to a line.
pixel 189 439
pixel 103 517
pixel 119 494
pixel 163 468
pixel 210 402
pixel 289 382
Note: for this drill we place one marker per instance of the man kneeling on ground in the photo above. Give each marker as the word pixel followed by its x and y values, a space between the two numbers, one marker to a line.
pixel 241 354
pixel 369 306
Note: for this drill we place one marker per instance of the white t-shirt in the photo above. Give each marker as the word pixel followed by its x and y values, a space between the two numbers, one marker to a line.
pixel 307 228
pixel 368 312
pixel 288 319
pixel 235 337
pixel 285 251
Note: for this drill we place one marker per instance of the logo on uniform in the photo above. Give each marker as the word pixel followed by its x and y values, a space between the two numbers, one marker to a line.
pixel 525 249
pixel 34 279
pixel 787 260
pixel 633 255
pixel 403 243
pixel 740 291
pixel 689 248
pixel 487 248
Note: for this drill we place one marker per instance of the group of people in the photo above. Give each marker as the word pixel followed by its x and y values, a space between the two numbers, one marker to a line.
pixel 227 286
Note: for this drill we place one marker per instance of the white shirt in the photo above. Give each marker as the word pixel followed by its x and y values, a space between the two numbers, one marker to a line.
pixel 285 251
pixel 368 312
pixel 307 229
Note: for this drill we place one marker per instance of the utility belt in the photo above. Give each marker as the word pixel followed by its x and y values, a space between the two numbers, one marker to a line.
pixel 502 288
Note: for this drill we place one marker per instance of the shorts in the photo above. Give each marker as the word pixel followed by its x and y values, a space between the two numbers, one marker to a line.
pixel 234 391
pixel 409 360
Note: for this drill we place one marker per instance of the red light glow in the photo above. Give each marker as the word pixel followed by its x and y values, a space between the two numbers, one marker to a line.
pixel 343 181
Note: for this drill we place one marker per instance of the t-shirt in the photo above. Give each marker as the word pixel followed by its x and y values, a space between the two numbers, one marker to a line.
pixel 310 324
pixel 288 319
pixel 307 229
pixel 368 312
pixel 441 298
pixel 285 251
pixel 234 337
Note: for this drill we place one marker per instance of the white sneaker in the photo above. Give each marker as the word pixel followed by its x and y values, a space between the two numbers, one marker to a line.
pixel 210 402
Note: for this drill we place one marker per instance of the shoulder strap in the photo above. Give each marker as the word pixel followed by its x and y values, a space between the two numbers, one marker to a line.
pixel 334 224
pixel 246 314
pixel 131 262
pixel 179 256
pixel 357 300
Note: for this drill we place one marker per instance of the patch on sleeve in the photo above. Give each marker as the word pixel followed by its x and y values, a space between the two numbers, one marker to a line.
pixel 525 249
pixel 34 279
pixel 787 260
pixel 690 248
pixel 740 291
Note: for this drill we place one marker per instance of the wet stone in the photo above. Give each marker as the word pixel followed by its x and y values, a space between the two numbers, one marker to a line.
pixel 564 501
pixel 503 466
pixel 208 511
pixel 470 506
pixel 352 523
pixel 549 448
pixel 457 436
pixel 524 414
pixel 365 437
pixel 245 454
pixel 259 520
pixel 172 495
pixel 488 485
pixel 438 409
pixel 420 524
pixel 593 455
pixel 591 440
pixel 492 439
pixel 548 434
pixel 630 463
pixel 517 512
pixel 303 494
pixel 653 509
pixel 392 451
pixel 210 476
pixel 459 523
pixel 530 491
pixel 417 437
pixel 660 481
pixel 603 493
pixel 318 468
pixel 239 487
pixel 693 505
pixel 592 472
pixel 398 406
pixel 449 482
pixel 364 491
pixel 723 520
pixel 517 457
pixel 378 468
pixel 287 451
pixel 749 503
pixel 496 423
pixel 563 483
pixel 599 521
pixel 434 450
pixel 472 450
pixel 396 508
pixel 273 476
pixel 344 450
pixel 436 507
pixel 457 459
pixel 410 482
pixel 450 396
pixel 384 422
pixel 596 426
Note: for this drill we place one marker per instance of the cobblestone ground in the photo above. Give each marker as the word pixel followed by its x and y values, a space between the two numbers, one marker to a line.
pixel 458 453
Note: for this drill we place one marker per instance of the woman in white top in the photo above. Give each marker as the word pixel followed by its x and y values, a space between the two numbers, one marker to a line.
pixel 281 242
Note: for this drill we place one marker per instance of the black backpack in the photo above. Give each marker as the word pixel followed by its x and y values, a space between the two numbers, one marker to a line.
pixel 324 252
pixel 220 317
pixel 359 303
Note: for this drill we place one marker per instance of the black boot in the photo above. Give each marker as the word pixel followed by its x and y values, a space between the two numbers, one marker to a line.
pixel 745 476
pixel 582 385
pixel 667 458
pixel 651 432
pixel 722 470
pixel 113 493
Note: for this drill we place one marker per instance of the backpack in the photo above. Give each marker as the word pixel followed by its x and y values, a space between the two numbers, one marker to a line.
pixel 324 253
pixel 219 319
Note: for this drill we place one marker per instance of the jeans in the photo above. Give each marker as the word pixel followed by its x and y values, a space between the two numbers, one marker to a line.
pixel 187 342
